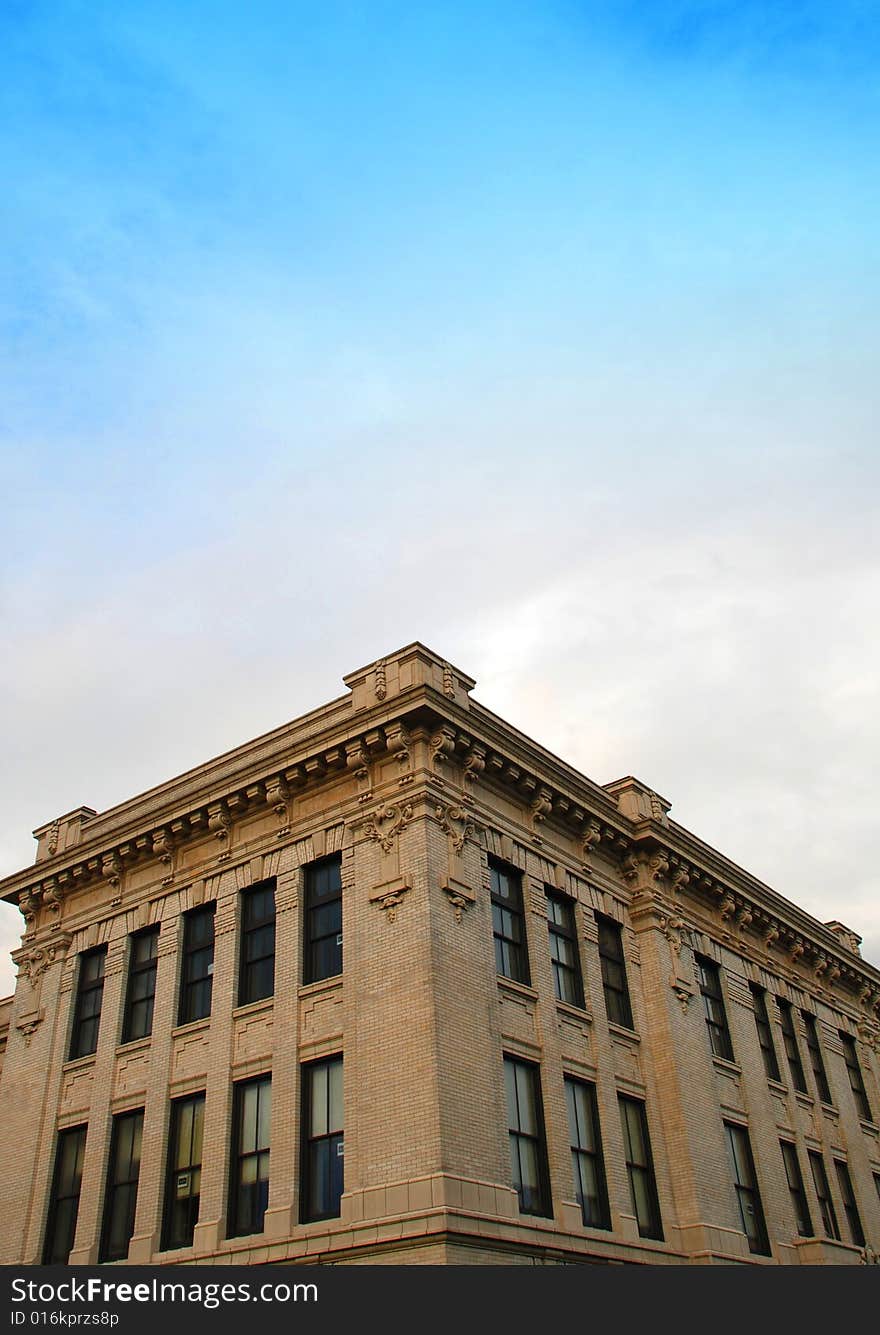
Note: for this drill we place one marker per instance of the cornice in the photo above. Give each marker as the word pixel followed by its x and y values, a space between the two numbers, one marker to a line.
pixel 624 820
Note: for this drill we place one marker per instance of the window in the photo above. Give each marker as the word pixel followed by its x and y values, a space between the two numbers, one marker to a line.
pixel 850 1206
pixel 746 1183
pixel 765 1033
pixel 857 1084
pixel 89 995
pixel 586 1152
pixel 197 966
pixel 564 954
pixel 792 1052
pixel 528 1148
pixel 877 1184
pixel 640 1167
pixel 120 1199
pixel 64 1203
pixel 184 1178
pixel 256 976
pixel 249 1188
pixel 713 1005
pixel 323 1140
pixel 796 1188
pixel 142 961
pixel 508 923
pixel 815 1051
pixel 617 1004
pixel 323 920
pixel 826 1205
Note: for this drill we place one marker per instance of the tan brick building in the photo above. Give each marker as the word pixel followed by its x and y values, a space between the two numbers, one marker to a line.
pixel 394 984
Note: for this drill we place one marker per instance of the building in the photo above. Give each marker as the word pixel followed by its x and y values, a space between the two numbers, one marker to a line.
pixel 394 984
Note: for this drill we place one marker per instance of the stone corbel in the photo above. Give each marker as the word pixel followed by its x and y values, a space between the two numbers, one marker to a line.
pixel 474 763
pixel 278 798
pixel 28 903
pixel 220 825
pixel 442 747
pixel 590 841
pixel 459 895
pixel 397 741
pixel 389 895
pixel 27 1025
pixel 111 870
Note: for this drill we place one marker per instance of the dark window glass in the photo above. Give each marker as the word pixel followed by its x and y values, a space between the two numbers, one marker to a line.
pixel 614 985
pixel 120 1199
pixel 508 923
pixel 323 1140
pixel 746 1183
pixel 816 1061
pixel 857 1084
pixel 826 1204
pixel 851 1209
pixel 528 1148
pixel 796 1188
pixel 256 978
pixel 64 1203
pixel 713 1006
pixel 640 1167
pixel 792 1051
pixel 564 953
pixel 877 1184
pixel 142 961
pixel 765 1033
pixel 89 995
pixel 323 920
pixel 197 965
pixel 184 1177
pixel 586 1152
pixel 249 1187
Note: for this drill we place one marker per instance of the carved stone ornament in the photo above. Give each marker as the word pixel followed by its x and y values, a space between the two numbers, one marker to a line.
pixel 219 822
pixel 474 764
pixel 448 683
pixel 675 929
pixel 457 823
pixel 384 825
pixel 28 903
pixel 381 687
pixel 27 1026
pixel 682 992
pixel 35 963
pixel 442 746
pixel 389 896
pixel 592 838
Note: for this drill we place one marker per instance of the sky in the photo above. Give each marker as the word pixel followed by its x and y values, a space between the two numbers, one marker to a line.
pixel 542 332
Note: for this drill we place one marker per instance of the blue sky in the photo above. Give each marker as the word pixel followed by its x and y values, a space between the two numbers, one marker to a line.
pixel 543 332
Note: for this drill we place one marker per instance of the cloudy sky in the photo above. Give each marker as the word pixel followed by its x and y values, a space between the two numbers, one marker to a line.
pixel 543 331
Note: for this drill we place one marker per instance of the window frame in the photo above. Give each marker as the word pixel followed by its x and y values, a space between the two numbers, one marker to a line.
pixel 542 1207
pixel 138 969
pixel 114 1188
pixel 51 1254
pixel 508 949
pixel 850 1204
pixel 791 1046
pixel 312 1141
pixel 248 968
pixel 86 988
pixel 643 1170
pixel 748 1192
pixel 827 1212
pixel 174 1170
pixel 612 965
pixel 312 905
pixel 817 1062
pixel 714 1009
pixel 856 1078
pixel 237 1225
pixel 791 1162
pixel 765 1033
pixel 190 982
pixel 565 931
pixel 581 1151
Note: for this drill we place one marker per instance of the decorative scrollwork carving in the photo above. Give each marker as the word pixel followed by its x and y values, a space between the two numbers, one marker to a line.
pixel 381 687
pixel 474 764
pixel 385 825
pixel 448 682
pixel 591 839
pixel 28 903
pixel 457 823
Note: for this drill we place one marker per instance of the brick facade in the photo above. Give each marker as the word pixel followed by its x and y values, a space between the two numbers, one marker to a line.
pixel 417 789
